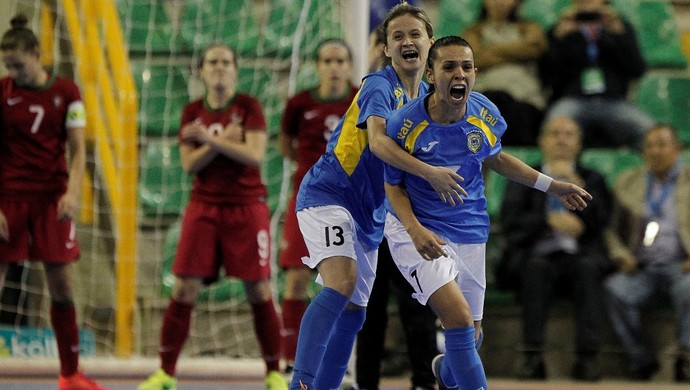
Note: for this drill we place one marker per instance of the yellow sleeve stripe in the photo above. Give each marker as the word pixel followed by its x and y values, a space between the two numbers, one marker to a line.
pixel 484 128
pixel 352 139
pixel 414 134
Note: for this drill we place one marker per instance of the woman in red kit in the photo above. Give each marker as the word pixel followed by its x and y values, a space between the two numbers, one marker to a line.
pixel 42 118
pixel 226 223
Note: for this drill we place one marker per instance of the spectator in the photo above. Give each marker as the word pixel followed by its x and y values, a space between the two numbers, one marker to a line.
pixel 508 49
pixel 551 251
pixel 418 321
pixel 649 240
pixel 42 122
pixel 226 223
pixel 592 59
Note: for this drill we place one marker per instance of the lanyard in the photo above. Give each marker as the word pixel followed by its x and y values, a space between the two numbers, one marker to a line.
pixel 655 204
pixel 591 34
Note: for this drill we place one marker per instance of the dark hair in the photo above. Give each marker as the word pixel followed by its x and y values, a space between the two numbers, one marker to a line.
pixel 405 8
pixel 19 37
pixel 334 41
pixel 202 57
pixel 450 40
pixel 670 127
pixel 513 16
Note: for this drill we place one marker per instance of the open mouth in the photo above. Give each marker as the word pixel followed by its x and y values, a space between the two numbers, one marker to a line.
pixel 457 92
pixel 410 54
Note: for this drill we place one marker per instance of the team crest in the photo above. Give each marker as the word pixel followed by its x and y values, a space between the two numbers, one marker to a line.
pixel 57 101
pixel 475 140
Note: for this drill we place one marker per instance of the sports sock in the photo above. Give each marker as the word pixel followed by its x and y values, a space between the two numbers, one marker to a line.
pixel 267 328
pixel 317 325
pixel 64 320
pixel 462 366
pixel 174 334
pixel 339 349
pixel 293 310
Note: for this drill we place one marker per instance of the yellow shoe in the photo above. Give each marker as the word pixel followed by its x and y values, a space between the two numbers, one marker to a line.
pixel 159 380
pixel 274 381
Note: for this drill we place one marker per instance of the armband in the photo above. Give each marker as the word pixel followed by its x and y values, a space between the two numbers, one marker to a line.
pixel 543 182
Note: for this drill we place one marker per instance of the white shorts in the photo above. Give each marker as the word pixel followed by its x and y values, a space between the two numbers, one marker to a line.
pixel 465 264
pixel 330 231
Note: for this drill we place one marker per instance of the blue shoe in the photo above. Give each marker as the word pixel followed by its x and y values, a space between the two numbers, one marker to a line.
pixel 436 368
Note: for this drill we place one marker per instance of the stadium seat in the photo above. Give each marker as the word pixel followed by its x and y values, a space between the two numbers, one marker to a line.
pixel 656 31
pixel 204 22
pixel 147 27
pixel 610 162
pixel 544 12
pixel 163 93
pixel 454 16
pixel 163 185
pixel 666 97
pixel 224 289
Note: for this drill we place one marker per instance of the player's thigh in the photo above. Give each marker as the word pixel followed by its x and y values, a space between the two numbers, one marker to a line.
pixel 245 241
pixel 17 216
pixel 424 276
pixel 197 248
pixel 470 261
pixel 328 231
pixel 53 240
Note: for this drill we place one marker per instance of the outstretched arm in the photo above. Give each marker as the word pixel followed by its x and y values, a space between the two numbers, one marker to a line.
pixel 571 196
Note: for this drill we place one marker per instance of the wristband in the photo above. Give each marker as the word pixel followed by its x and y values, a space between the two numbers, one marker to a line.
pixel 543 182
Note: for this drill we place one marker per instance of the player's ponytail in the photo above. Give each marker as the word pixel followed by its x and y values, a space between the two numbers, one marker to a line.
pixel 19 37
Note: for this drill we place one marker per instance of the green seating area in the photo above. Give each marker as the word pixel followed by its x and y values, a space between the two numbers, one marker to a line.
pixel 666 97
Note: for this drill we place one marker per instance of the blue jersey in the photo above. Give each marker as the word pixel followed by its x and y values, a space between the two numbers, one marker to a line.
pixel 461 146
pixel 348 174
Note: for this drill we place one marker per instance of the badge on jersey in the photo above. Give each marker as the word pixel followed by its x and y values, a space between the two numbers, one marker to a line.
pixel 475 140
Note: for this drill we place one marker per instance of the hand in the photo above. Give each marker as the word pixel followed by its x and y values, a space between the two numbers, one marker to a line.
pixel 428 244
pixel 610 21
pixel 233 132
pixel 566 24
pixel 67 207
pixel 566 223
pixel 686 264
pixel 627 264
pixel 195 132
pixel 445 183
pixel 4 229
pixel 570 195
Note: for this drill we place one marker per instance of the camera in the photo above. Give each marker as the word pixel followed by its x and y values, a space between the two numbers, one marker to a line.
pixel 587 16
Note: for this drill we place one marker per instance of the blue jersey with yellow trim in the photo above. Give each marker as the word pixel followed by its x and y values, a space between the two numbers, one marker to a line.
pixel 461 146
pixel 348 174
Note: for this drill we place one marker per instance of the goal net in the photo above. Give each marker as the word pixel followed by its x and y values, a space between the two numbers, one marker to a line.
pixel 275 42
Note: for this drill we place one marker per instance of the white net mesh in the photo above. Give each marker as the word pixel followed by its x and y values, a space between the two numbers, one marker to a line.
pixel 164 38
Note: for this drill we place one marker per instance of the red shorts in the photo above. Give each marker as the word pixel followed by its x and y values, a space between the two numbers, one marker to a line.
pixel 292 247
pixel 235 237
pixel 37 234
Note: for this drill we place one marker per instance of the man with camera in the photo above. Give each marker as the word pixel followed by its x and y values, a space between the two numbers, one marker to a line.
pixel 593 57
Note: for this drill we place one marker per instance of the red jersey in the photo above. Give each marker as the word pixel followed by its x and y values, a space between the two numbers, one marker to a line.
pixel 311 121
pixel 33 134
pixel 225 180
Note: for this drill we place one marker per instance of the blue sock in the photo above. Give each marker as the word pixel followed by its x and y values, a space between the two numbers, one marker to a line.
pixel 339 349
pixel 462 366
pixel 314 333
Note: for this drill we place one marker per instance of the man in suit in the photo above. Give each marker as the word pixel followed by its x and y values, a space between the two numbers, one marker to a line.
pixel 552 251
pixel 649 240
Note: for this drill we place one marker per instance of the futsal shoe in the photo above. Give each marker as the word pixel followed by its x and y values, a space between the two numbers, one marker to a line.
pixel 159 380
pixel 436 365
pixel 275 381
pixel 78 381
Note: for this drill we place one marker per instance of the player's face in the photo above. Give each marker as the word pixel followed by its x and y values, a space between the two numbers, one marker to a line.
pixel 407 43
pixel 660 150
pixel 560 140
pixel 22 66
pixel 453 74
pixel 334 67
pixel 218 70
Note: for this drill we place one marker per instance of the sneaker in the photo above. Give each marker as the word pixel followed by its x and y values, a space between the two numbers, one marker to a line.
pixel 159 380
pixel 436 369
pixel 275 381
pixel 77 381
